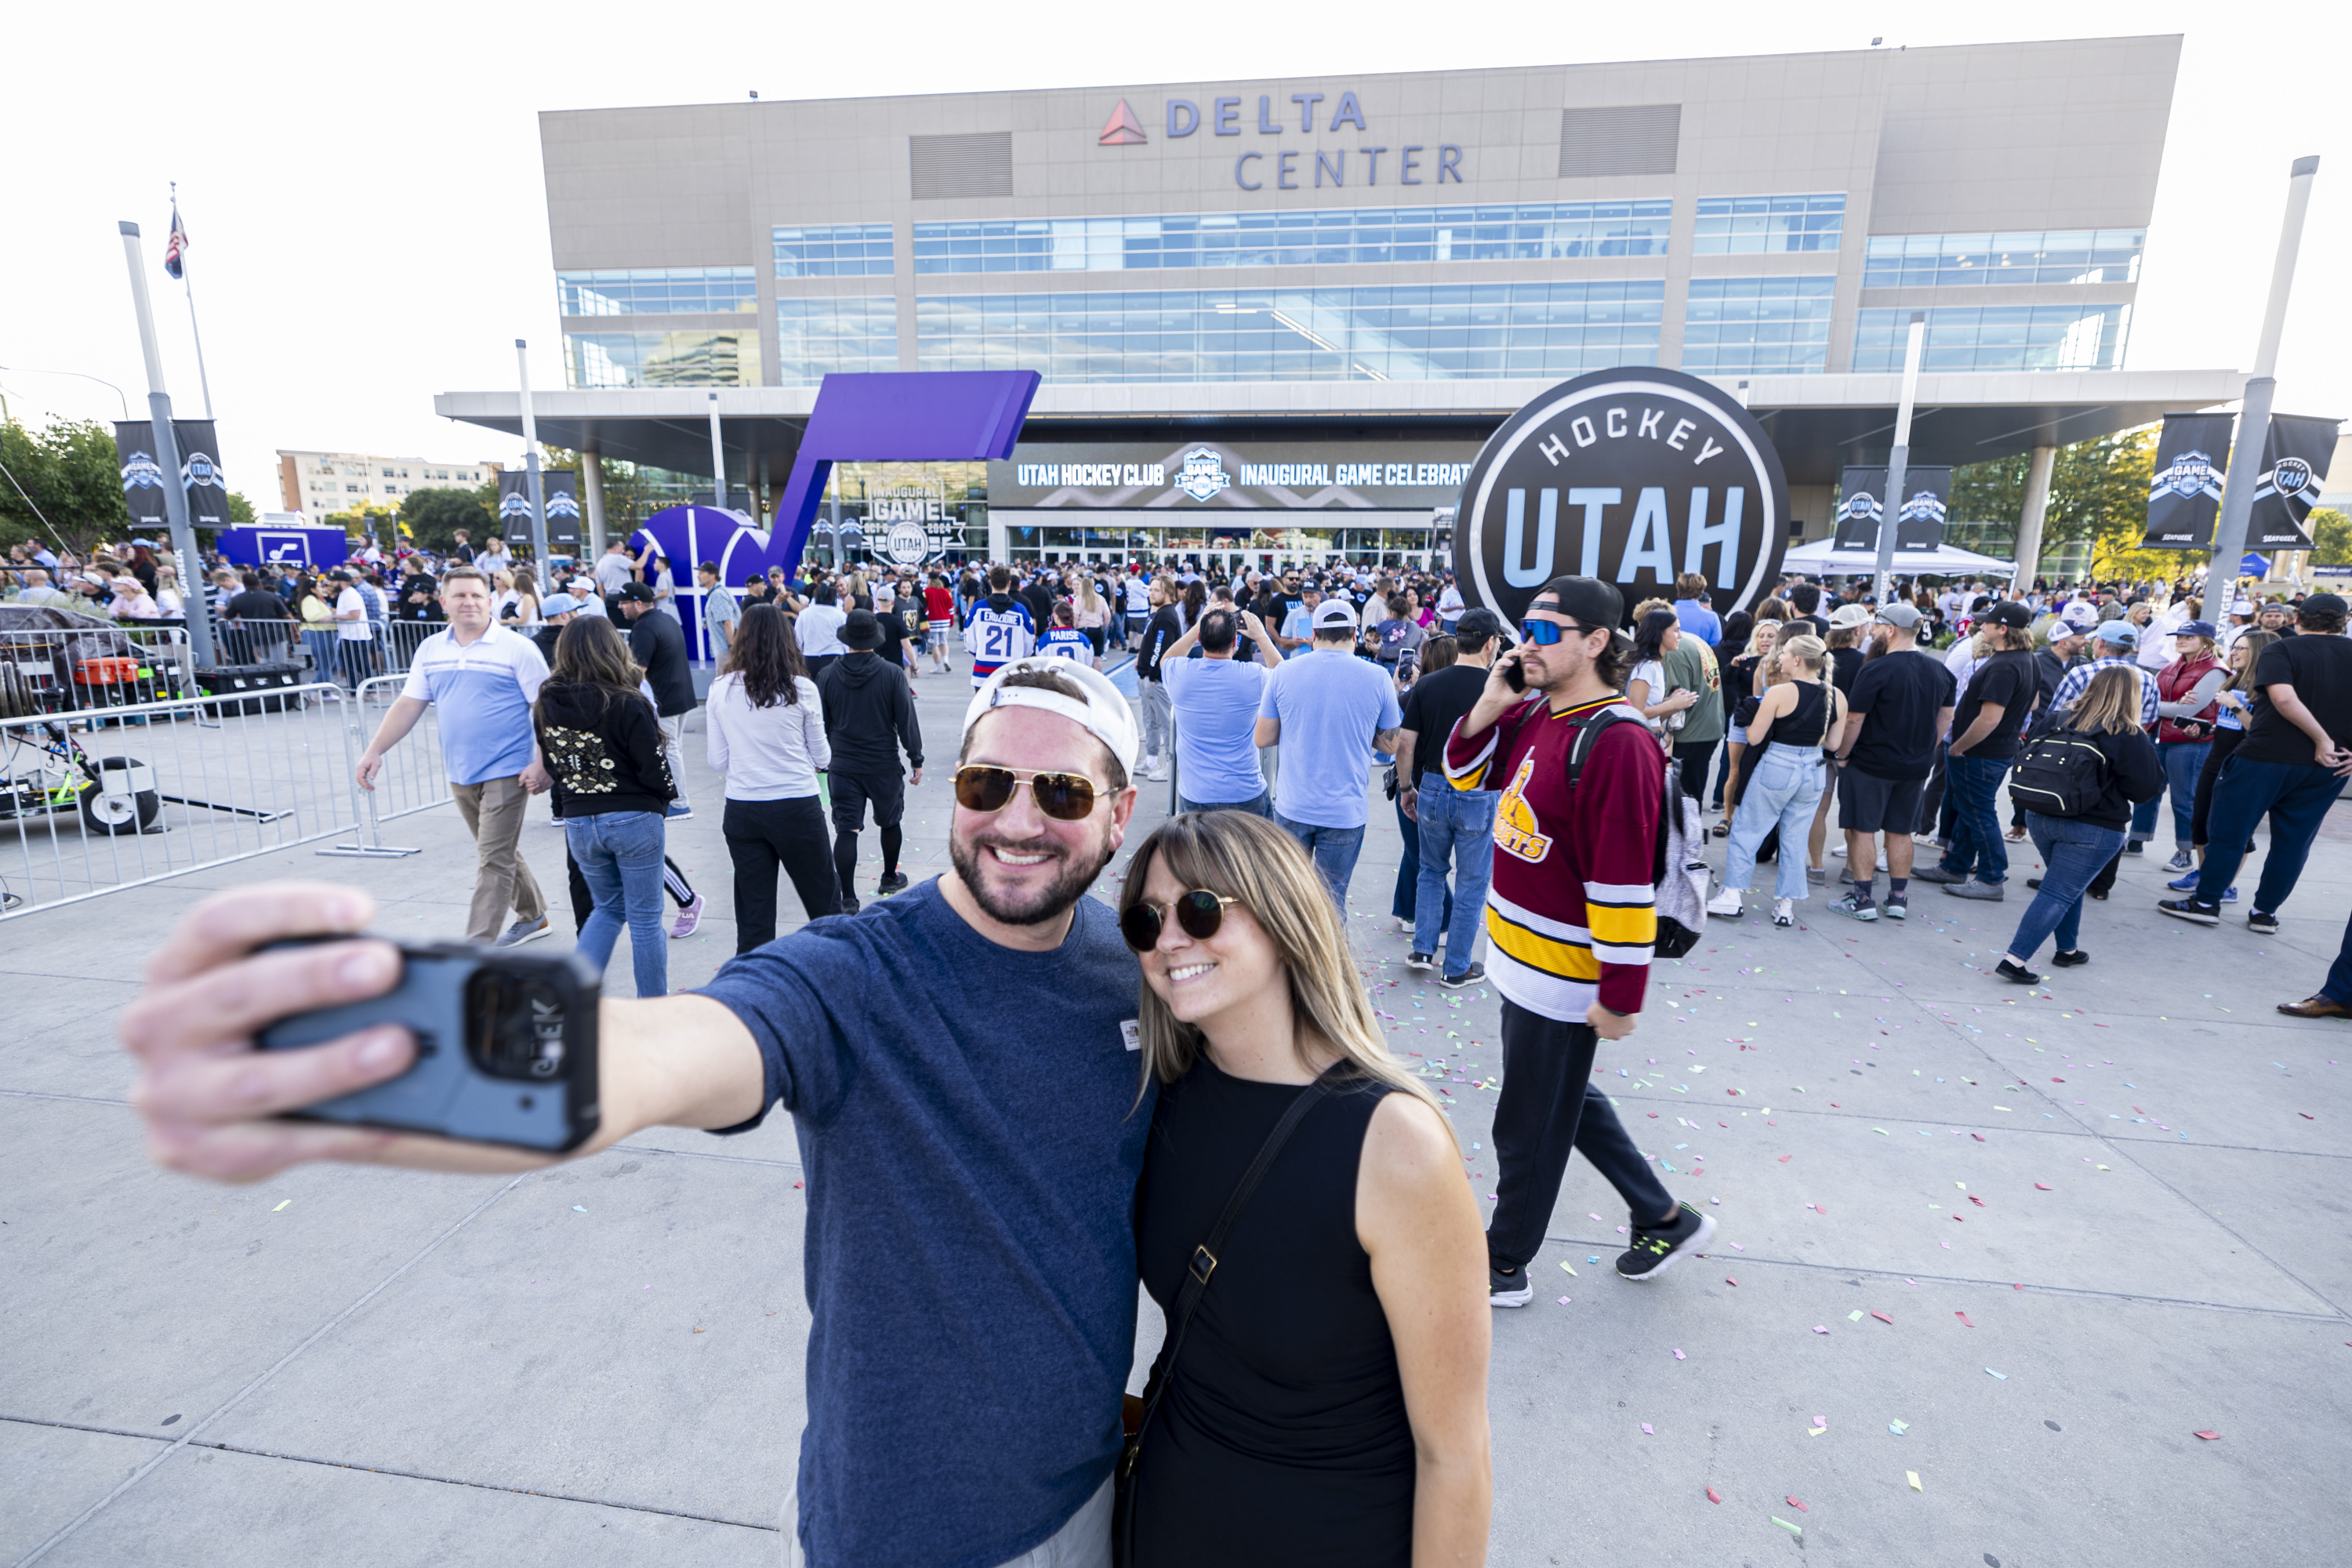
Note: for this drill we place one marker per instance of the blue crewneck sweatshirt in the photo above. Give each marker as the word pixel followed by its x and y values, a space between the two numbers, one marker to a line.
pixel 967 1116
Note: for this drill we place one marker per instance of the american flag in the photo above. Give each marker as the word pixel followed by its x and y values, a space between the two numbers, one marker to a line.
pixel 177 246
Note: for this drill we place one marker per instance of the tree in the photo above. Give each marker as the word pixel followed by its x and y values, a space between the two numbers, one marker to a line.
pixel 2331 538
pixel 73 478
pixel 433 516
pixel 2098 491
pixel 240 511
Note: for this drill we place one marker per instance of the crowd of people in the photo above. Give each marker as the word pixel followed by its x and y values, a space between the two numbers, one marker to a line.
pixel 1215 1111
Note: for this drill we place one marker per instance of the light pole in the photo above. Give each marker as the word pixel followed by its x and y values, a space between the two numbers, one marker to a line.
pixel 27 370
pixel 167 456
pixel 530 468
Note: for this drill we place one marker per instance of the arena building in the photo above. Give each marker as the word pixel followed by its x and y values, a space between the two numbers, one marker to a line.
pixel 1276 318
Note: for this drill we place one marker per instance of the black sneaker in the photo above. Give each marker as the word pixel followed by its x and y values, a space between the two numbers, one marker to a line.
pixel 2069 960
pixel 1654 1250
pixel 895 882
pixel 2010 970
pixel 2263 921
pixel 2188 908
pixel 1508 1287
pixel 1473 976
pixel 2034 882
pixel 1936 874
pixel 2132 846
pixel 1898 906
pixel 1855 906
pixel 1420 962
pixel 849 905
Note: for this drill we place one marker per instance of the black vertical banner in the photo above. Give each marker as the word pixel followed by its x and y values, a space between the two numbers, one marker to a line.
pixel 1918 525
pixel 142 475
pixel 2294 467
pixel 2184 494
pixel 559 493
pixel 200 471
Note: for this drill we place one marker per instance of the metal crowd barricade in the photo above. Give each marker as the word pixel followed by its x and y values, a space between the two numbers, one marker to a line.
pixel 94 801
pixel 411 780
pixel 80 668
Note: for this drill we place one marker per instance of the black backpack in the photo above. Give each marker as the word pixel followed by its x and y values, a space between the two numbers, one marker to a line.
pixel 1680 901
pixel 2059 773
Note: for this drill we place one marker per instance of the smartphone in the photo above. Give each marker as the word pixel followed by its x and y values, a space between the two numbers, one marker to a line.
pixel 1513 676
pixel 506 1048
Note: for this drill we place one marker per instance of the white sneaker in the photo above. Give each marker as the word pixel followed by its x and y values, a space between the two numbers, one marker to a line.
pixel 1784 912
pixel 1725 905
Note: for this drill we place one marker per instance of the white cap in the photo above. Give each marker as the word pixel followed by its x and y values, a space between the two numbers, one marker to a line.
pixel 1334 613
pixel 1102 712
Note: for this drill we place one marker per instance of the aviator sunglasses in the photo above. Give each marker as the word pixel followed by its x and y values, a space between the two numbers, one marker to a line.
pixel 1064 798
pixel 1199 914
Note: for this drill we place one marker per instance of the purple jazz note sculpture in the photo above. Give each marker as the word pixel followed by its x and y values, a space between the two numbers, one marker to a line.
pixel 931 415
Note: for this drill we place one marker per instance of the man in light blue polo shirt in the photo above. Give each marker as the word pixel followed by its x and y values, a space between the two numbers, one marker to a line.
pixel 1216 698
pixel 1330 711
pixel 483 678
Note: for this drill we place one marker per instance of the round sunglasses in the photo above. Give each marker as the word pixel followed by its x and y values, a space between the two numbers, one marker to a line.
pixel 1199 915
pixel 1064 798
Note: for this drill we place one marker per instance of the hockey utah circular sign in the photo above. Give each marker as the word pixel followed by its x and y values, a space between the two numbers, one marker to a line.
pixel 1633 476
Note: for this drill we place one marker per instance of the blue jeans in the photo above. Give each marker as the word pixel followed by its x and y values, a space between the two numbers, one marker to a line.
pixel 1973 788
pixel 620 856
pixel 1457 825
pixel 2182 760
pixel 1258 805
pixel 1783 788
pixel 2074 852
pixel 2295 794
pixel 1408 882
pixel 1335 850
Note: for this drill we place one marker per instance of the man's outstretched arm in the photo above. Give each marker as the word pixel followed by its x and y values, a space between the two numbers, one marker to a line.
pixel 210 1099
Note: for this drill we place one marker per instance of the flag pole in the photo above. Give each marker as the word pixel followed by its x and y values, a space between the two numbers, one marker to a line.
pixel 189 288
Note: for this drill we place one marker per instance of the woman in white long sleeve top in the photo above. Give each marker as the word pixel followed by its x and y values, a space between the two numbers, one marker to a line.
pixel 766 729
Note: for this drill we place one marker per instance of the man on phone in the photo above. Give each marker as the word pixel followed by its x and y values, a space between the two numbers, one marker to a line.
pixel 958 1173
pixel 1571 913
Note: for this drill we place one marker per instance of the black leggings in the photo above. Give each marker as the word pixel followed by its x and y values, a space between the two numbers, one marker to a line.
pixel 763 835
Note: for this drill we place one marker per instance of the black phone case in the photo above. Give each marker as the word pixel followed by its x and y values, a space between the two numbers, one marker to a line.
pixel 445 1092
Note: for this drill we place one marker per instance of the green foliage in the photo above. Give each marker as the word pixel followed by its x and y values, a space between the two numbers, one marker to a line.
pixel 240 508
pixel 2331 538
pixel 432 517
pixel 2098 491
pixel 73 477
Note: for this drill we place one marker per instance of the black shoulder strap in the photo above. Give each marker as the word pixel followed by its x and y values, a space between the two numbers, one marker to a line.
pixel 1587 735
pixel 1204 1256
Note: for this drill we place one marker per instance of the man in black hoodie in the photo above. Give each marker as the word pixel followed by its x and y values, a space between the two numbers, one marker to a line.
pixel 869 714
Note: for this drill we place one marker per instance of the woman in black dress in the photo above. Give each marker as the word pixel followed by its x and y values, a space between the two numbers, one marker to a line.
pixel 1328 1403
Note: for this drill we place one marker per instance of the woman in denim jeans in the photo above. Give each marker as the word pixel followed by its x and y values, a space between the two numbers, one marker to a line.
pixel 1785 779
pixel 603 746
pixel 2074 849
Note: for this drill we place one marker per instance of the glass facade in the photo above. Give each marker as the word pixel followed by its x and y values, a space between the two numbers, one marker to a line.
pixel 1758 226
pixel 814 337
pixel 662 359
pixel 655 291
pixel 1743 325
pixel 1998 337
pixel 1537 232
pixel 2058 256
pixel 1445 332
pixel 843 250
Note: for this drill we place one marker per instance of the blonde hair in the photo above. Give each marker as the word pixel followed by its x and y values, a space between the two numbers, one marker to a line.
pixel 1246 859
pixel 1646 605
pixel 1805 650
pixel 2111 703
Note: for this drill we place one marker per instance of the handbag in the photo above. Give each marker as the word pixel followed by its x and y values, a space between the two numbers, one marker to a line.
pixel 1135 1415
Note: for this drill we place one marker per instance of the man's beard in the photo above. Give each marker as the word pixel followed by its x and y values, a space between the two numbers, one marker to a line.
pixel 1054 901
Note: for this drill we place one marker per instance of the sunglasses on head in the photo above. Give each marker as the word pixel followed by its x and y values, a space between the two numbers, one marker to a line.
pixel 1199 914
pixel 1064 798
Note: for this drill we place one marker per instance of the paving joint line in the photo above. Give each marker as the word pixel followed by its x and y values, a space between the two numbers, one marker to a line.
pixel 59 1536
pixel 385 1470
pixel 2338 1316
pixel 55 1094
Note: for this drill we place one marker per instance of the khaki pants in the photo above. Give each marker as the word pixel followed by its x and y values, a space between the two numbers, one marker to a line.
pixel 493 811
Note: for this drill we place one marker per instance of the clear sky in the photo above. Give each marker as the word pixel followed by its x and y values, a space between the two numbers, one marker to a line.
pixel 362 186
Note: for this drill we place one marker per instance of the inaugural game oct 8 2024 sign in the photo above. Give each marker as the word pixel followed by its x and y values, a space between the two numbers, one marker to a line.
pixel 1635 476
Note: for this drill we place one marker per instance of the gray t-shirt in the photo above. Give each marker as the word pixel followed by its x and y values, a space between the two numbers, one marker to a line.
pixel 720 613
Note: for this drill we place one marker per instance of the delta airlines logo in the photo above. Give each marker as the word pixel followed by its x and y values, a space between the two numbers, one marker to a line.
pixel 1122 130
pixel 2188 474
pixel 1202 474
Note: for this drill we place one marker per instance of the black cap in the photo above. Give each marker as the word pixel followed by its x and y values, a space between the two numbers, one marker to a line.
pixel 2010 613
pixel 1588 601
pixel 2320 605
pixel 861 630
pixel 638 593
pixel 1474 628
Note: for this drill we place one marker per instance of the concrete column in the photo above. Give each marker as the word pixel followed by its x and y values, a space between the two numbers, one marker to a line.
pixel 2037 508
pixel 592 491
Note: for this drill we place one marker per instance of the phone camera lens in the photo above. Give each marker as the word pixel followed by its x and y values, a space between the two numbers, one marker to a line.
pixel 514 1026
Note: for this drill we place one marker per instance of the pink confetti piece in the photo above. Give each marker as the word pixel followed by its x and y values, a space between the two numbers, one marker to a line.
pixel 1648 1433
pixel 1818 1330
pixel 1714 1496
pixel 1679 1356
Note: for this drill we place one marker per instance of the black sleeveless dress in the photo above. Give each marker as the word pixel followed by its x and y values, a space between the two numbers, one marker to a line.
pixel 1282 1439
